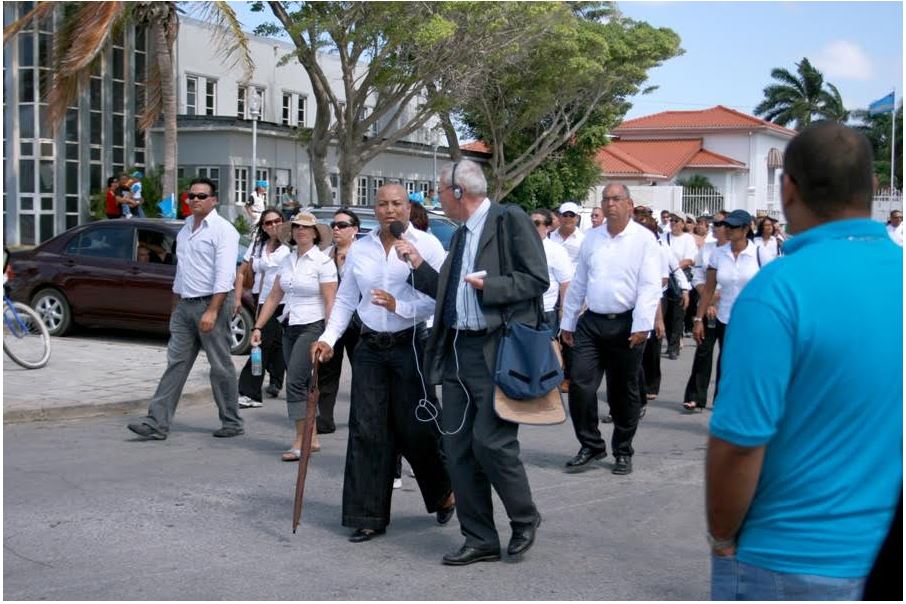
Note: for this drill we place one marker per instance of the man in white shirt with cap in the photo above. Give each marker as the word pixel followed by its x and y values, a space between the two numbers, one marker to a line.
pixel 569 235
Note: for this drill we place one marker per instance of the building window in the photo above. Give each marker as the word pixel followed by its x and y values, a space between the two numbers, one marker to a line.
pixel 287 108
pixel 410 186
pixel 361 192
pixel 424 187
pixel 376 183
pixel 210 96
pixel 191 95
pixel 212 174
pixel 334 185
pixel 240 185
pixel 301 108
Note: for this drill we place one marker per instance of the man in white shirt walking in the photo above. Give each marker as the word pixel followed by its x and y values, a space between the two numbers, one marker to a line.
pixel 559 268
pixel 206 249
pixel 682 244
pixel 895 227
pixel 619 276
pixel 569 235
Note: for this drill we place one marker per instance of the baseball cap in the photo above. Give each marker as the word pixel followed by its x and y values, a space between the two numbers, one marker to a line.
pixel 738 218
pixel 569 206
pixel 679 214
pixel 137 174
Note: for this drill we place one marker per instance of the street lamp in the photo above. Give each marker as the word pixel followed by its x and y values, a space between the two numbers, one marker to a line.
pixel 255 113
pixel 435 142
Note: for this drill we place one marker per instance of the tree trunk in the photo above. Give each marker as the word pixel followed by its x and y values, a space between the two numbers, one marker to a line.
pixel 168 98
pixel 318 159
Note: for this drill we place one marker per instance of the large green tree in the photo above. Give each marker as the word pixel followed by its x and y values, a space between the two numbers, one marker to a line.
pixel 877 128
pixel 563 88
pixel 89 28
pixel 801 98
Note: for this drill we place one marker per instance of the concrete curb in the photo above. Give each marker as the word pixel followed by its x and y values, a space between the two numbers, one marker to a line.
pixel 86 410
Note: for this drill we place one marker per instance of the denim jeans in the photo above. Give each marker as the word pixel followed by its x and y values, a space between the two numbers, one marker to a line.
pixel 735 580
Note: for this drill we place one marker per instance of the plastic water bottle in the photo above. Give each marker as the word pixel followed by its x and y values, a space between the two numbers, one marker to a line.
pixel 256 360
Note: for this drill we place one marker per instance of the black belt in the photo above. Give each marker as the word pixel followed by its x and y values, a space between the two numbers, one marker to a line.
pixel 386 339
pixel 471 333
pixel 612 316
pixel 199 299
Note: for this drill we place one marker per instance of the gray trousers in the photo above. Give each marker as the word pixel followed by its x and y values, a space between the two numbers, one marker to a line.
pixel 297 341
pixel 485 452
pixel 186 339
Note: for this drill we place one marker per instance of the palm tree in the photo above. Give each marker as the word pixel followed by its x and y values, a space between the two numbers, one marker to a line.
pixel 800 98
pixel 88 28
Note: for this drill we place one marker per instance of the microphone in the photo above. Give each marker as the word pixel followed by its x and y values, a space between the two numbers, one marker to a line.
pixel 397 229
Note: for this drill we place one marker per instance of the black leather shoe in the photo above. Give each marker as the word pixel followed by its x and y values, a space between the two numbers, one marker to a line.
pixel 623 465
pixel 523 538
pixel 607 419
pixel 583 458
pixel 325 428
pixel 444 515
pixel 272 391
pixel 468 555
pixel 227 432
pixel 361 535
pixel 148 431
pixel 672 355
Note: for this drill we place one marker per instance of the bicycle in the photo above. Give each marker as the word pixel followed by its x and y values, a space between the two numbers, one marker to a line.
pixel 26 339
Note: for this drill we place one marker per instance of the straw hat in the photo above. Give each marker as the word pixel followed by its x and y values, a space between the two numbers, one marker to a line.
pixel 309 220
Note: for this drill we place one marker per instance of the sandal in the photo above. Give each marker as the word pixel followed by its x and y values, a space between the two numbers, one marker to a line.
pixel 291 455
pixel 689 406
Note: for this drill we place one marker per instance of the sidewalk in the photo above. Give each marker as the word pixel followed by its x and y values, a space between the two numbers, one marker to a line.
pixel 90 375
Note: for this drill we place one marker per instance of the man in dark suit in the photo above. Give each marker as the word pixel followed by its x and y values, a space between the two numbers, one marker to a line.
pixel 482 450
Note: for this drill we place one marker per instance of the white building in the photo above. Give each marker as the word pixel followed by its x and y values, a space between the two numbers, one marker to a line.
pixel 49 177
pixel 741 155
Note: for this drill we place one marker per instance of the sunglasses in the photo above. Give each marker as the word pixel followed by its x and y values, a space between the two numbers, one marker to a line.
pixel 268 223
pixel 199 196
pixel 539 223
pixel 341 224
pixel 675 220
pixel 568 214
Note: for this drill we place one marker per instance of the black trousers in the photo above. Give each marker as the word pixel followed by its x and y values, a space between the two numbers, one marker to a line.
pixel 482 450
pixel 673 321
pixel 329 375
pixel 602 349
pixel 386 389
pixel 651 366
pixel 688 323
pixel 700 377
pixel 271 359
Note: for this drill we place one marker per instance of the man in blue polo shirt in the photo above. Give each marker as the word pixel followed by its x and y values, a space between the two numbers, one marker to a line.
pixel 804 466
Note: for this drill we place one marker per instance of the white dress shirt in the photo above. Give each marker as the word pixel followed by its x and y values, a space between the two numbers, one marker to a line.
pixel 560 270
pixel 301 278
pixel 573 243
pixel 259 204
pixel 206 258
pixel 683 246
pixel 733 272
pixel 468 311
pixel 896 233
pixel 265 266
pixel 368 267
pixel 767 250
pixel 701 262
pixel 616 274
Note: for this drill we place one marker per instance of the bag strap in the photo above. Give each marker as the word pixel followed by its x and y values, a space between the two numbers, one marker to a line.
pixel 758 255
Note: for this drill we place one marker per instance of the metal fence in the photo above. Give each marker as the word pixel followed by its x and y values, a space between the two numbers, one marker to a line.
pixel 886 201
pixel 702 201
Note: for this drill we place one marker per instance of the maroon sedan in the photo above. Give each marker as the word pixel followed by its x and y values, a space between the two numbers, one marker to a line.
pixel 111 273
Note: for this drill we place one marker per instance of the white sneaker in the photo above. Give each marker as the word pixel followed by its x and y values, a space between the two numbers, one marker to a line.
pixel 254 403
pixel 397 483
pixel 245 402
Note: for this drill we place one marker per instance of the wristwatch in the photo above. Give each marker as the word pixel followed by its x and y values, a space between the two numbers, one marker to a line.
pixel 720 543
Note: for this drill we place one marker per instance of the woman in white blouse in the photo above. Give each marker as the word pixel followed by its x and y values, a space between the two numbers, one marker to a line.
pixel 264 257
pixel 731 266
pixel 769 245
pixel 306 282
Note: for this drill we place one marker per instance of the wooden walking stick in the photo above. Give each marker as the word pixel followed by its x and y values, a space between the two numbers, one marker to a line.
pixel 307 429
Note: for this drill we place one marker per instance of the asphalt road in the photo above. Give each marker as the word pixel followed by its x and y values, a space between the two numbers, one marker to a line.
pixel 92 513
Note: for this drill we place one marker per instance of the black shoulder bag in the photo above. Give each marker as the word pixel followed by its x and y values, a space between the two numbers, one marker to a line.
pixel 527 367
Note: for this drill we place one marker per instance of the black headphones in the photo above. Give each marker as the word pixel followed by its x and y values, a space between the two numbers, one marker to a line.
pixel 457 190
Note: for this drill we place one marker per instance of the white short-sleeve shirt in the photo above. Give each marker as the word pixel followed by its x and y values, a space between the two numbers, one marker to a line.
pixel 301 278
pixel 733 272
pixel 560 269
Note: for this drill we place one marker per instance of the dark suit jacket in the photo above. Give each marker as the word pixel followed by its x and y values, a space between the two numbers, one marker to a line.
pixel 519 291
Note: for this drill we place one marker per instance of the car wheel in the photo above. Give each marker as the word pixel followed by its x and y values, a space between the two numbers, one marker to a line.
pixel 54 310
pixel 241 331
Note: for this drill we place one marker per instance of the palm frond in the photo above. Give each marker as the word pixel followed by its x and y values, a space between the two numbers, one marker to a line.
pixel 154 100
pixel 231 41
pixel 41 10
pixel 96 21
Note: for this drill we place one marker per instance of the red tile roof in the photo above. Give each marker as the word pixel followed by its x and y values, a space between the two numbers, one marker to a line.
pixel 715 118
pixel 476 146
pixel 659 159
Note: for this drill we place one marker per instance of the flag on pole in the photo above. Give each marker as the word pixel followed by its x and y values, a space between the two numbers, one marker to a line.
pixel 883 105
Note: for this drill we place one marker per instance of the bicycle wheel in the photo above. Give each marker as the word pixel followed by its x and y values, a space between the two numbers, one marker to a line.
pixel 25 337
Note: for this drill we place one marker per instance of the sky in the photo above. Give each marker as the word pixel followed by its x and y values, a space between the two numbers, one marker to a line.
pixel 731 48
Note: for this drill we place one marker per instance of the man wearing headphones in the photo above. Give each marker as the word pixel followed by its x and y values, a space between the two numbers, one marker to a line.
pixel 481 449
